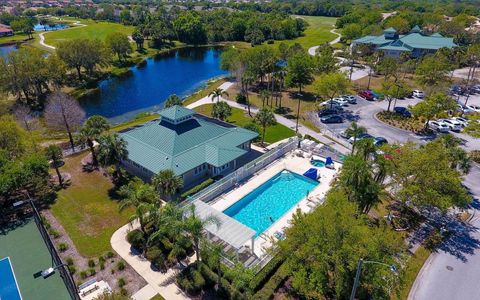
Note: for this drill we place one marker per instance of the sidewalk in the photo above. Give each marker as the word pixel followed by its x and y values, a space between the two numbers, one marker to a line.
pixel 280 119
pixel 158 282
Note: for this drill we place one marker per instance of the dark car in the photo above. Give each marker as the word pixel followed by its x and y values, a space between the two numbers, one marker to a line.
pixel 331 119
pixel 367 95
pixel 328 112
pixel 380 141
pixel 403 111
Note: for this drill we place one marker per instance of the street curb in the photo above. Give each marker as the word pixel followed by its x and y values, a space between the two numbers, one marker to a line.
pixel 391 126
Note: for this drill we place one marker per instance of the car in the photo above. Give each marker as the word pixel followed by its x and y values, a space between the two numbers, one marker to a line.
pixel 438 126
pixel 462 121
pixel 331 119
pixel 453 124
pixel 380 141
pixel 327 112
pixel 418 94
pixel 464 109
pixel 360 137
pixel 344 134
pixel 403 111
pixel 474 108
pixel 367 95
pixel 457 90
pixel 332 104
pixel 341 101
pixel 350 99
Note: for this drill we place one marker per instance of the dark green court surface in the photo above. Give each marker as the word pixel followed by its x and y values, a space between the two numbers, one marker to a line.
pixel 29 255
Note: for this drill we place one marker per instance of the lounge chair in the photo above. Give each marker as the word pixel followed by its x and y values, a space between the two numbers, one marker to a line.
pixel 279 235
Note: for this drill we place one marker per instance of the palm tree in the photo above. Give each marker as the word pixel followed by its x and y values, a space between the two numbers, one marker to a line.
pixel 365 148
pixel 55 154
pixel 265 118
pixel 136 192
pixel 217 93
pixel 167 183
pixel 173 100
pixel 213 256
pixel 247 79
pixel 195 226
pixel 112 149
pixel 265 95
pixel 91 130
pixel 355 131
pixel 221 110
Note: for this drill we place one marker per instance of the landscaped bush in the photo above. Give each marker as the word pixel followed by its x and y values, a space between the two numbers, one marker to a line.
pixel 110 254
pixel 266 273
pixel 156 257
pixel 83 274
pixel 191 280
pixel 91 263
pixel 55 234
pixel 121 265
pixel 272 284
pixel 91 271
pixel 208 274
pixel 241 98
pixel 62 247
pixel 72 269
pixel 198 188
pixel 69 261
pixel 136 239
pixel 121 282
pixel 475 156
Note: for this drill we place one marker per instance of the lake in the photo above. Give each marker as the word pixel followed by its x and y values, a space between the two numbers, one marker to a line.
pixel 180 72
pixel 4 50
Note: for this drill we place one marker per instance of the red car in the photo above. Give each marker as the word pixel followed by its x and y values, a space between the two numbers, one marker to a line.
pixel 367 95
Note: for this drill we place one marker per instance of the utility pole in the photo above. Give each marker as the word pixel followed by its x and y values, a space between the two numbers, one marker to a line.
pixel 392 268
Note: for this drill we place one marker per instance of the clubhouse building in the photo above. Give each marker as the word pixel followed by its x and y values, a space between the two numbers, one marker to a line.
pixel 415 42
pixel 194 146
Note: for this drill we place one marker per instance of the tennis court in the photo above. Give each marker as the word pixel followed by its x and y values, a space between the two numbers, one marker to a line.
pixel 23 255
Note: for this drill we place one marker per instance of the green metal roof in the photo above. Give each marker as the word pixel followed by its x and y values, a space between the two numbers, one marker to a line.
pixel 390 30
pixel 416 28
pixel 176 112
pixel 158 145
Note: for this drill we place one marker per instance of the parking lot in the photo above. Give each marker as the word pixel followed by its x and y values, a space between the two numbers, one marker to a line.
pixel 364 114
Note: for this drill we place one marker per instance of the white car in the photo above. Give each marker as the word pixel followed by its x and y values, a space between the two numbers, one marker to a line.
pixel 462 121
pixel 350 99
pixel 341 101
pixel 418 94
pixel 438 126
pixel 474 108
pixel 332 104
pixel 454 125
pixel 464 109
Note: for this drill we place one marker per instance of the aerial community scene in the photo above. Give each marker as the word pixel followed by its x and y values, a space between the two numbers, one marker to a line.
pixel 236 149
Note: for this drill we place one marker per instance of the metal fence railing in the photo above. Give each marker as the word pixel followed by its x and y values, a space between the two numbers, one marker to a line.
pixel 57 261
pixel 229 181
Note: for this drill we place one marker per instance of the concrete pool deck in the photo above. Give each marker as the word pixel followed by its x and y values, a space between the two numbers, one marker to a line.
pixel 290 162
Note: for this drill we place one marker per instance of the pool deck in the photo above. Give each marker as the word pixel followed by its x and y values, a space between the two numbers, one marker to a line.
pixel 290 162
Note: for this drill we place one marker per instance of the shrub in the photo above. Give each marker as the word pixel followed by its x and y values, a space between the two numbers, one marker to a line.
pixel 91 271
pixel 110 254
pixel 136 239
pixel 112 271
pixel 101 259
pixel 156 257
pixel 69 261
pixel 91 263
pixel 198 188
pixel 55 234
pixel 83 274
pixel 241 98
pixel 272 284
pixel 72 269
pixel 433 241
pixel 190 280
pixel 266 273
pixel 121 265
pixel 121 282
pixel 123 292
pixel 270 42
pixel 102 265
pixel 475 156
pixel 62 247
pixel 209 276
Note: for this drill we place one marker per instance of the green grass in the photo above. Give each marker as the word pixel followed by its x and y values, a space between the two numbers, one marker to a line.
pixel 211 85
pixel 157 297
pixel 318 32
pixel 93 30
pixel 240 118
pixel 86 210
pixel 14 38
pixel 414 265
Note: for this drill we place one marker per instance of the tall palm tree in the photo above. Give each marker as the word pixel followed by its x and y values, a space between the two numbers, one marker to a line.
pixel 195 226
pixel 55 154
pixel 91 130
pixel 112 149
pixel 173 100
pixel 248 79
pixel 212 253
pixel 265 95
pixel 365 148
pixel 137 192
pixel 265 118
pixel 167 183
pixel 217 93
pixel 355 131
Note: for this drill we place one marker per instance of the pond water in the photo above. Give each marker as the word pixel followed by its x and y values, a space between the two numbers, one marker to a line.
pixel 4 50
pixel 46 27
pixel 180 72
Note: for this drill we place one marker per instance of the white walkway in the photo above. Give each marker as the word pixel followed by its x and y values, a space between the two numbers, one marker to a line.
pixel 313 50
pixel 280 119
pixel 42 37
pixel 158 283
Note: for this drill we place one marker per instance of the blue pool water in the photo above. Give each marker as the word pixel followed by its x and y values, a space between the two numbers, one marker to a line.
pixel 180 72
pixel 270 201
pixel 8 284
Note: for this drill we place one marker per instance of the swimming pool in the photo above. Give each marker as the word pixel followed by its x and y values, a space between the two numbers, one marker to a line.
pixel 270 201
pixel 8 284
pixel 317 163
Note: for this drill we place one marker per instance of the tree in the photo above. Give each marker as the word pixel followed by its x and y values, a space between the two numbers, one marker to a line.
pixel 351 32
pixel 91 130
pixel 473 127
pixel 299 71
pixel 265 118
pixel 221 110
pixel 432 71
pixel 24 25
pixel 325 61
pixel 194 227
pixel 139 39
pixel 392 90
pixel 55 155
pixel 190 29
pixel 63 112
pixel 323 265
pixel 254 36
pixel 331 85
pixel 25 117
pixel 217 94
pixel 173 100
pixel 119 44
pixel 167 183
pixel 355 131
pixel 433 105
pixel 399 23
pixel 389 68
pixel 112 149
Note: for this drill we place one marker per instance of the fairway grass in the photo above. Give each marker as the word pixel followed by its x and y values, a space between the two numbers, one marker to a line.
pixel 317 32
pixel 240 118
pixel 86 210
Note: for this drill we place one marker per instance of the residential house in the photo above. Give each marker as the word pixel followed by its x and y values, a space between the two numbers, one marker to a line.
pixel 5 30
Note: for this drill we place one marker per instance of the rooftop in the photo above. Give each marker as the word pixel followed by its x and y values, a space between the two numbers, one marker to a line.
pixel 182 140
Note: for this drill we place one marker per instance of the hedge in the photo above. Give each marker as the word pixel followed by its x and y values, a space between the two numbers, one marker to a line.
pixel 264 275
pixel 197 188
pixel 273 284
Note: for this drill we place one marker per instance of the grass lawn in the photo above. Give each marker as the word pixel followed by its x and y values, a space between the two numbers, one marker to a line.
pixel 318 31
pixel 93 30
pixel 211 85
pixel 414 265
pixel 16 37
pixel 241 118
pixel 86 210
